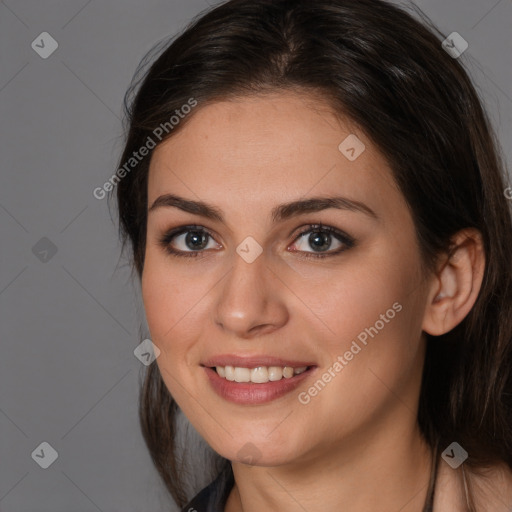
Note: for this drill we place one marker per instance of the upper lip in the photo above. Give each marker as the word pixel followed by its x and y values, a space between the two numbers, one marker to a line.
pixel 253 361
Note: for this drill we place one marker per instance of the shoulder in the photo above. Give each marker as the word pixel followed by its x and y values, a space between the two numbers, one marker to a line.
pixel 490 488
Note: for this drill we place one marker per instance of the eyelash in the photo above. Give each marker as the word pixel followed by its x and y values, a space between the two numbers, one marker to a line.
pixel 347 240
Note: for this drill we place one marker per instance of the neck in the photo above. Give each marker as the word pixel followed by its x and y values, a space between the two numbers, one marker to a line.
pixel 385 469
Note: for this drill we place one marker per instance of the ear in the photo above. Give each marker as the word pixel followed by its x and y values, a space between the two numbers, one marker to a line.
pixel 456 285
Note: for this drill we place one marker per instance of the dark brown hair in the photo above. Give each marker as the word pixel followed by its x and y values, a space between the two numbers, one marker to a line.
pixel 386 71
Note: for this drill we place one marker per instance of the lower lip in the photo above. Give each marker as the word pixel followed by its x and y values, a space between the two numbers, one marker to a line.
pixel 254 393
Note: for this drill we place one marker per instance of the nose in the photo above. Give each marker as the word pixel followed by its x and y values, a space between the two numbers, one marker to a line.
pixel 251 300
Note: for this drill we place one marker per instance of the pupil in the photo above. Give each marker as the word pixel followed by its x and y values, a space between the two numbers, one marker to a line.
pixel 196 240
pixel 319 240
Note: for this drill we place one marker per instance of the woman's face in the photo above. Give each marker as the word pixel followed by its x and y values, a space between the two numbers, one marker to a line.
pixel 254 295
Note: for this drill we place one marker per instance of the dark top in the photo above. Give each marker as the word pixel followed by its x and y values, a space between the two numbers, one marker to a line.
pixel 214 496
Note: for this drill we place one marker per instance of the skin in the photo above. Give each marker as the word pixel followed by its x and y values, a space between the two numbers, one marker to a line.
pixel 357 442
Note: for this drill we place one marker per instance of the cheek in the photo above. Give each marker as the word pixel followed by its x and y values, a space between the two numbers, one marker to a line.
pixel 165 305
pixel 372 316
pixel 346 300
pixel 157 299
pixel 177 303
pixel 379 360
pixel 165 301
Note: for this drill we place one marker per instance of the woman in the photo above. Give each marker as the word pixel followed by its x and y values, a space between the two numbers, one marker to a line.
pixel 316 212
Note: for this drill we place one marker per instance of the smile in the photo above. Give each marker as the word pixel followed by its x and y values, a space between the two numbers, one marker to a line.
pixel 270 383
pixel 258 375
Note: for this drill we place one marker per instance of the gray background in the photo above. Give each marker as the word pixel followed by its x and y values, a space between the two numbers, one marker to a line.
pixel 69 325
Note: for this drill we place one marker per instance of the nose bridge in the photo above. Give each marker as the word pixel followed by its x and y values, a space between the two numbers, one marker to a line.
pixel 248 300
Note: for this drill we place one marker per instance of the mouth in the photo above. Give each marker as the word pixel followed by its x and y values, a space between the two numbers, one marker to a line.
pixel 253 383
pixel 259 374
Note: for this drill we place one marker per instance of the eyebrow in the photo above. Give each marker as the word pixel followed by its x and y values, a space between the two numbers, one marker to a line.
pixel 279 213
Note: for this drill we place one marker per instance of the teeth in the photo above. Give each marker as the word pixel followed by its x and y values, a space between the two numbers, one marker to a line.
pixel 230 373
pixel 242 375
pixel 259 375
pixel 275 373
pixel 287 372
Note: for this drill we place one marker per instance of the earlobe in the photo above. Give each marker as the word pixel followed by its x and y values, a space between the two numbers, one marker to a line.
pixel 455 288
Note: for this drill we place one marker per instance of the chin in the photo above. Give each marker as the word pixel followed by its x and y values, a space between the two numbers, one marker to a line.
pixel 257 452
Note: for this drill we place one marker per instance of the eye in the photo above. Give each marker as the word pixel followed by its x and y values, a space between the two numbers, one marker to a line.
pixel 320 238
pixel 191 241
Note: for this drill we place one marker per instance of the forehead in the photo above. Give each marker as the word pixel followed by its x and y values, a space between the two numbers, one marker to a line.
pixel 258 151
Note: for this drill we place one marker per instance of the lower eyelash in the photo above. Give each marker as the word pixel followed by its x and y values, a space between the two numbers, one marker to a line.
pixel 347 240
pixel 187 254
pixel 166 240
